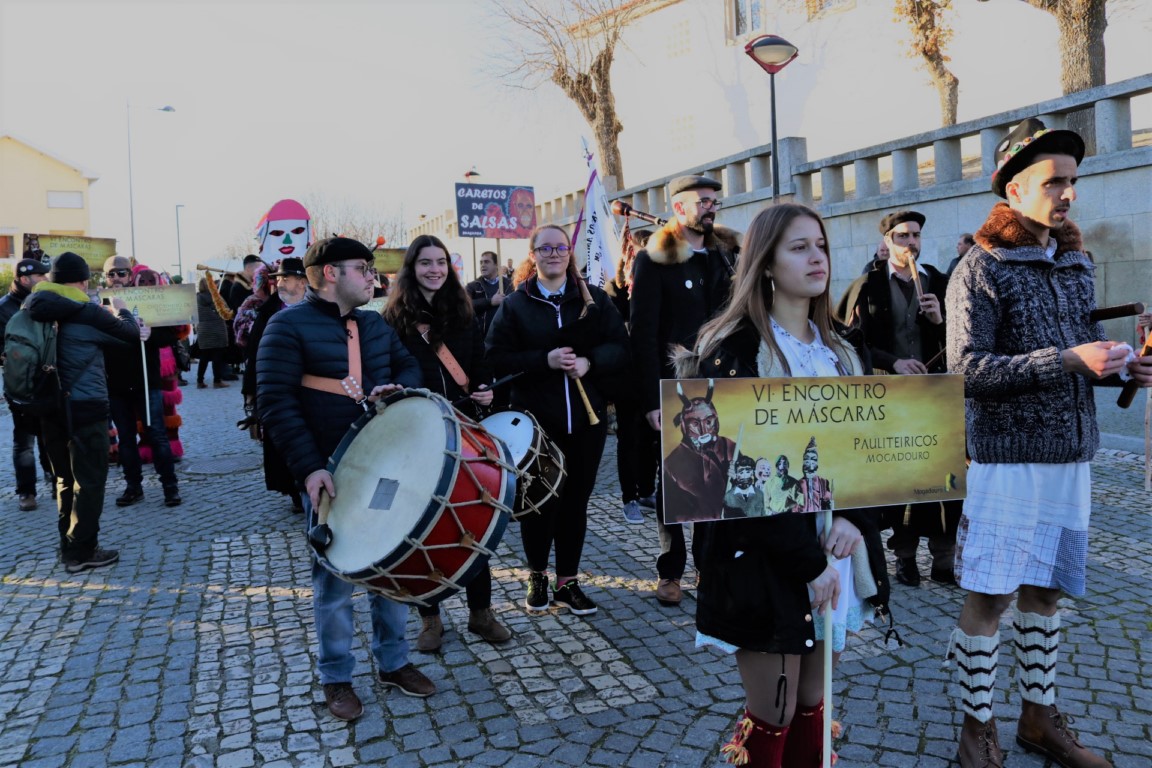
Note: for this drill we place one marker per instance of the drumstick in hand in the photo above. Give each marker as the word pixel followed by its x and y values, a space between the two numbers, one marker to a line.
pixel 592 419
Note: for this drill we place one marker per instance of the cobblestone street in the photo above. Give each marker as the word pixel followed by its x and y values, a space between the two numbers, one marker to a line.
pixel 197 648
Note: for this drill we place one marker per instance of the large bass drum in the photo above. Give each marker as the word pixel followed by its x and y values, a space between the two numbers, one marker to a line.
pixel 539 461
pixel 423 495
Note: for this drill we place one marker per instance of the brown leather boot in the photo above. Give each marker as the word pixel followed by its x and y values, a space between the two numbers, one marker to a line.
pixel 483 622
pixel 431 635
pixel 1044 730
pixel 979 745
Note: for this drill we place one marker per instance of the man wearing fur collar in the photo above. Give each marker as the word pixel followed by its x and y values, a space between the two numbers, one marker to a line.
pixel 681 279
pixel 1019 330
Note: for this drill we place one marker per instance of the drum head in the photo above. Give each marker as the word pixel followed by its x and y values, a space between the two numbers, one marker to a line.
pixel 516 429
pixel 386 476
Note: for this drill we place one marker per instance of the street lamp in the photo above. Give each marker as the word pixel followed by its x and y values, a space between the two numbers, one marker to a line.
pixel 772 53
pixel 131 202
pixel 179 257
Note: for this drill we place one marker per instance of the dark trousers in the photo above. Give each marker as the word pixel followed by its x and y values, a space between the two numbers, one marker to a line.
pixel 479 592
pixel 25 435
pixel 124 410
pixel 214 356
pixel 563 521
pixel 637 452
pixel 673 558
pixel 80 463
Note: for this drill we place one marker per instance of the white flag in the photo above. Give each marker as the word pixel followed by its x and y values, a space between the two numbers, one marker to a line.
pixel 596 240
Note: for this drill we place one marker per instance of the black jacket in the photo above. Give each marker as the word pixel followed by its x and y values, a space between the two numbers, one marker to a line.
pixel 125 371
pixel 310 337
pixel 85 330
pixel 481 303
pixel 10 304
pixel 867 304
pixel 270 307
pixel 674 292
pixel 466 345
pixel 527 327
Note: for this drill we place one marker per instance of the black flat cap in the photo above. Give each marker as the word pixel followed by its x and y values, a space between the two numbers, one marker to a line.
pixel 685 183
pixel 889 222
pixel 333 249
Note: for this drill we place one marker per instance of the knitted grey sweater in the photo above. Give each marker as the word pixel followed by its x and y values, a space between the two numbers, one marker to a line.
pixel 1011 312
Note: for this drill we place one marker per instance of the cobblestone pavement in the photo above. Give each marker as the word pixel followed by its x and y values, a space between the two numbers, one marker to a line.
pixel 197 648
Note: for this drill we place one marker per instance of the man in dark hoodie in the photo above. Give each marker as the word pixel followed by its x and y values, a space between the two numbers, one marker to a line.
pixel 25 429
pixel 77 434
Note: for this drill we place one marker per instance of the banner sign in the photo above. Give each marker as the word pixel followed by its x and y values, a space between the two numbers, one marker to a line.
pixel 94 250
pixel 158 305
pixel 737 448
pixel 596 241
pixel 495 210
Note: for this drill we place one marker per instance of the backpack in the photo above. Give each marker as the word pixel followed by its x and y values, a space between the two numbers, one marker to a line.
pixel 31 380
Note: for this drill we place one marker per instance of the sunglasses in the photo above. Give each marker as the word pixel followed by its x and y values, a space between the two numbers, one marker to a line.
pixel 119 272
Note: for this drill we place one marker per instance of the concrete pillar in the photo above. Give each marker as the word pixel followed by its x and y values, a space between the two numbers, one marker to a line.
pixel 867 178
pixel 832 184
pixel 734 183
pixel 761 171
pixel 793 153
pixel 1113 125
pixel 904 172
pixel 946 154
pixel 656 204
pixel 990 138
pixel 1054 122
pixel 802 188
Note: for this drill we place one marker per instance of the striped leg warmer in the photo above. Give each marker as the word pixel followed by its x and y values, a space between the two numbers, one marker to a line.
pixel 976 658
pixel 1037 642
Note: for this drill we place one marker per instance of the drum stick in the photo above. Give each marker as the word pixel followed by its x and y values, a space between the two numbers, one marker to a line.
pixel 592 418
pixel 1111 313
pixel 493 385
pixel 1130 386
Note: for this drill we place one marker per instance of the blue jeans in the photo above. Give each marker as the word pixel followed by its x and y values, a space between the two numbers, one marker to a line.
pixel 335 627
pixel 124 410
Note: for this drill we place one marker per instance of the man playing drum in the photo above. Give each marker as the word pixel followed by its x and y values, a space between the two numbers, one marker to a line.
pixel 306 349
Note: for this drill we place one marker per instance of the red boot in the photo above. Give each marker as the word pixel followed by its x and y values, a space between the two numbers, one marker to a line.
pixel 756 744
pixel 804 747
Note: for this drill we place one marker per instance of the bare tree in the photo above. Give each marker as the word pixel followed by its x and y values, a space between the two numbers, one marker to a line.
pixel 931 32
pixel 350 219
pixel 572 44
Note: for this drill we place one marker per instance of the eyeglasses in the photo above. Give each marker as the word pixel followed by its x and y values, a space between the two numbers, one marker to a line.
pixel 119 272
pixel 710 203
pixel 548 250
pixel 365 270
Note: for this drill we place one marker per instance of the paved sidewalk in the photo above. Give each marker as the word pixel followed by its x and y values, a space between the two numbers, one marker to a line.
pixel 197 648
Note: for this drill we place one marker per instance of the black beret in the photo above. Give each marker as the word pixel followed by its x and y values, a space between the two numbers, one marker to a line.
pixel 333 249
pixel 685 183
pixel 889 222
pixel 252 259
pixel 1027 140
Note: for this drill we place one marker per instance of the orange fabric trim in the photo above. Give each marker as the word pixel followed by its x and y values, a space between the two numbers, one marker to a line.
pixel 350 385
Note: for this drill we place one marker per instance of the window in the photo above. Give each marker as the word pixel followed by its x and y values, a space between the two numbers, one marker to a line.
pixel 819 8
pixel 6 247
pixel 745 18
pixel 65 199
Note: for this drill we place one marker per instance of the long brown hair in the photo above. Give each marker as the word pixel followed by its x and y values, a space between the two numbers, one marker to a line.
pixel 451 309
pixel 752 291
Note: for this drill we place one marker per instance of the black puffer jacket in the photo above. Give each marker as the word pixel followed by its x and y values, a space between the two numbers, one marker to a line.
pixel 527 327
pixel 466 345
pixel 10 304
pixel 310 337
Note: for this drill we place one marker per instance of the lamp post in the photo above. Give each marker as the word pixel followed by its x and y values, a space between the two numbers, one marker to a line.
pixel 772 53
pixel 179 256
pixel 131 201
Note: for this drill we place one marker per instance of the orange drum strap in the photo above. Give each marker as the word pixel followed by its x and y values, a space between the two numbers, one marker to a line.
pixel 350 384
pixel 446 359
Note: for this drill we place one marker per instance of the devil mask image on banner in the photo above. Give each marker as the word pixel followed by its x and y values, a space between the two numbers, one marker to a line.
pixel 285 231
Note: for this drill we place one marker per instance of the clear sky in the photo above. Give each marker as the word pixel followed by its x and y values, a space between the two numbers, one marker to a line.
pixel 383 103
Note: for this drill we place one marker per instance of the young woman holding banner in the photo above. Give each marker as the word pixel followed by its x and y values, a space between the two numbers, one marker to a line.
pixel 765 582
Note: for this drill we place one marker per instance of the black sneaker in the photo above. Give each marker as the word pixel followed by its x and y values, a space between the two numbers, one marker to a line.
pixel 537 599
pixel 98 559
pixel 172 496
pixel 131 495
pixel 570 596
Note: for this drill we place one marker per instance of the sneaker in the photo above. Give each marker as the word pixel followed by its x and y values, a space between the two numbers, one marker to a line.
pixel 172 496
pixel 27 502
pixel 632 513
pixel 571 597
pixel 410 681
pixel 342 701
pixel 98 559
pixel 648 502
pixel 131 495
pixel 537 599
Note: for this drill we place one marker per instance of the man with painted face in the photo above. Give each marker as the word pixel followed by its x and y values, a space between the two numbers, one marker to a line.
pixel 681 280
pixel 1021 334
pixel 695 474
pixel 743 498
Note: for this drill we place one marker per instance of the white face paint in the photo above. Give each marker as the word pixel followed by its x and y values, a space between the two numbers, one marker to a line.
pixel 286 237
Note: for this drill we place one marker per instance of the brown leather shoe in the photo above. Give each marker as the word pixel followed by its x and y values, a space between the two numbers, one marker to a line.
pixel 979 745
pixel 431 635
pixel 1044 730
pixel 668 591
pixel 483 622
pixel 410 681
pixel 342 701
